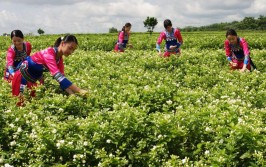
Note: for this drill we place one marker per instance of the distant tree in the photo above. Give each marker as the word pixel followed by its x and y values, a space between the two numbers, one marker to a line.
pixel 30 34
pixel 189 29
pixel 262 22
pixel 150 23
pixel 113 30
pixel 249 23
pixel 40 31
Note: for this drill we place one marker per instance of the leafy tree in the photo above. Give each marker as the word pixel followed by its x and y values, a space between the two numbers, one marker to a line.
pixel 113 30
pixel 150 23
pixel 40 31
pixel 249 23
pixel 262 22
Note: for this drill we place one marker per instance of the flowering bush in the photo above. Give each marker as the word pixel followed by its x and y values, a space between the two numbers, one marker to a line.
pixel 142 110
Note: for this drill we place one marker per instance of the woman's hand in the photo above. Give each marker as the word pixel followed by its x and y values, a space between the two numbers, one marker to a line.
pixel 130 45
pixel 244 68
pixel 172 47
pixel 160 53
pixel 74 90
pixel 83 92
pixel 233 64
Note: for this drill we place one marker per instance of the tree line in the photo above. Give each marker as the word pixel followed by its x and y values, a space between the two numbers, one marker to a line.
pixel 248 23
pixel 40 32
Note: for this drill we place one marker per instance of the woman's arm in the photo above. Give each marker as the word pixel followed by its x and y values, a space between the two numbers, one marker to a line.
pixel 178 36
pixel 28 48
pixel 227 51
pixel 244 45
pixel 159 41
pixel 10 60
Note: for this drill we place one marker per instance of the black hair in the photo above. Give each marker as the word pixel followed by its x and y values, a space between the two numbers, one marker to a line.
pixel 17 33
pixel 66 39
pixel 167 23
pixel 231 32
pixel 126 25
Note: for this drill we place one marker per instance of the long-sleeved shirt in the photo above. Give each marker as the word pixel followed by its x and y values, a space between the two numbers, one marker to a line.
pixel 123 38
pixel 47 58
pixel 239 51
pixel 14 57
pixel 43 61
pixel 173 38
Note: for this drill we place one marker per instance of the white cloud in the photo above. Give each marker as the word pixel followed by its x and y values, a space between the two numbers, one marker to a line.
pixel 80 16
pixel 258 7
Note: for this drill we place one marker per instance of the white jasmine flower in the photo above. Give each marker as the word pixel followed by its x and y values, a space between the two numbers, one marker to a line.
pixel 12 125
pixel 58 145
pixel 7 111
pixel 207 152
pixel 169 102
pixel 7 165
pixel 85 143
pixel 54 131
pixel 13 143
pixel 146 87
pixel 224 97
pixel 207 129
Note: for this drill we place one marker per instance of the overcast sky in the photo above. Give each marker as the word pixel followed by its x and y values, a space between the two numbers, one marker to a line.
pixel 97 16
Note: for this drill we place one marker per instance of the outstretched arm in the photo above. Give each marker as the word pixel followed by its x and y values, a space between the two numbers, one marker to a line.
pixel 57 72
pixel 68 86
pixel 159 41
pixel 179 37
pixel 227 51
pixel 244 45
pixel 10 60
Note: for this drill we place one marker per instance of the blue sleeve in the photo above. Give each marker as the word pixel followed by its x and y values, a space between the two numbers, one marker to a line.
pixel 246 59
pixel 229 59
pixel 158 47
pixel 62 80
pixel 10 69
